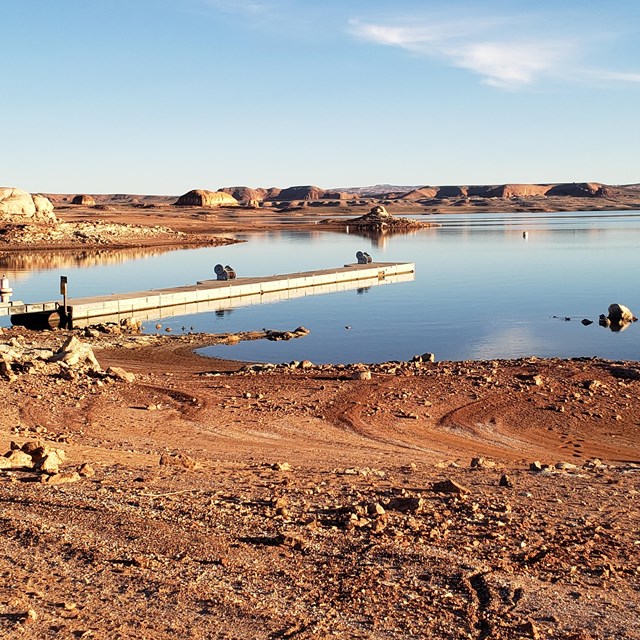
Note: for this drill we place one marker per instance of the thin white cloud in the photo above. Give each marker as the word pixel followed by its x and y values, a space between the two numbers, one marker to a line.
pixel 481 47
pixel 249 7
pixel 616 76
pixel 510 64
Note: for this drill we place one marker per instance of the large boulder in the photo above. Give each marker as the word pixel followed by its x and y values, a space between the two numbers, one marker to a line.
pixel 17 205
pixel 204 198
pixel 74 353
pixel 620 314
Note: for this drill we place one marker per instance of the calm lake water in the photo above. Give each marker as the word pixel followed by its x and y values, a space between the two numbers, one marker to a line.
pixel 481 289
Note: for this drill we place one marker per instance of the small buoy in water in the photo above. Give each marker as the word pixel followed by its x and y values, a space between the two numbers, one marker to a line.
pixel 168 329
pixel 158 326
pixel 347 326
pixel 525 234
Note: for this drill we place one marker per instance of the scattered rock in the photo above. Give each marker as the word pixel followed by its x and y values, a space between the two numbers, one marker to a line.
pixel 303 331
pixel 30 616
pixel 505 481
pixel 73 352
pixel 50 462
pixel 16 459
pixel 281 466
pixel 565 466
pixel 425 357
pixel 120 374
pixel 131 325
pixel 86 471
pixel 179 460
pixel 376 509
pixel 449 486
pixel 530 630
pixel 64 477
pixel 406 505
pixel 482 463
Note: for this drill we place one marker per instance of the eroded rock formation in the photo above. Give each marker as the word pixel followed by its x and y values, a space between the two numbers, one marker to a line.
pixel 204 198
pixel 17 206
pixel 307 192
pixel 246 194
pixel 84 199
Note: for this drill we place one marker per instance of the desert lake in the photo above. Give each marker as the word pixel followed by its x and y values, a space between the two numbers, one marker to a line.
pixel 487 286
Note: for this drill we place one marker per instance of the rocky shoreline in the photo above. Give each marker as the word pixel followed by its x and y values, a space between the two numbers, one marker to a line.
pixel 193 497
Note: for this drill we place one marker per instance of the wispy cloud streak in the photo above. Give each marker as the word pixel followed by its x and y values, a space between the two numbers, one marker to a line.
pixel 247 7
pixel 482 47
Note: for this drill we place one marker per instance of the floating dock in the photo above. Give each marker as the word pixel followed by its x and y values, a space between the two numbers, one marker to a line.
pixel 207 295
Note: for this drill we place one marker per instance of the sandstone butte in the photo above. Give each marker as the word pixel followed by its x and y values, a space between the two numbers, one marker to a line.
pixel 204 198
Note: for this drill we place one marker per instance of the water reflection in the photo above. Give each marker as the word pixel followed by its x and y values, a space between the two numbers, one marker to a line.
pixel 480 290
pixel 380 239
pixel 19 265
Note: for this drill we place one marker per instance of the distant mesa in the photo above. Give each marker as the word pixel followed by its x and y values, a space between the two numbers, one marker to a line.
pixel 245 194
pixel 17 205
pixel 84 199
pixel 297 196
pixel 337 195
pixel 452 192
pixel 207 199
pixel 518 190
pixel 580 190
pixel 423 192
pixel 511 190
pixel 307 192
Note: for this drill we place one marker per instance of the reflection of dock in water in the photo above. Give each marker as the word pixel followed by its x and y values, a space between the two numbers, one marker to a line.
pixel 220 295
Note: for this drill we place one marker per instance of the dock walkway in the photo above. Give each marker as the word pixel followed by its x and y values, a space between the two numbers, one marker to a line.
pixel 208 295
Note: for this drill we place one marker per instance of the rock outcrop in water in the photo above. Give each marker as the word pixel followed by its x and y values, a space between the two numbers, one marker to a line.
pixel 618 319
pixel 378 220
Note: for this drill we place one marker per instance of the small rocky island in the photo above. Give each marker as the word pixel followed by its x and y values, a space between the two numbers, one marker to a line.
pixel 379 220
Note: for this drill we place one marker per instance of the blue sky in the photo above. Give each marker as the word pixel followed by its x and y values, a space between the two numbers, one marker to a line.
pixel 162 96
